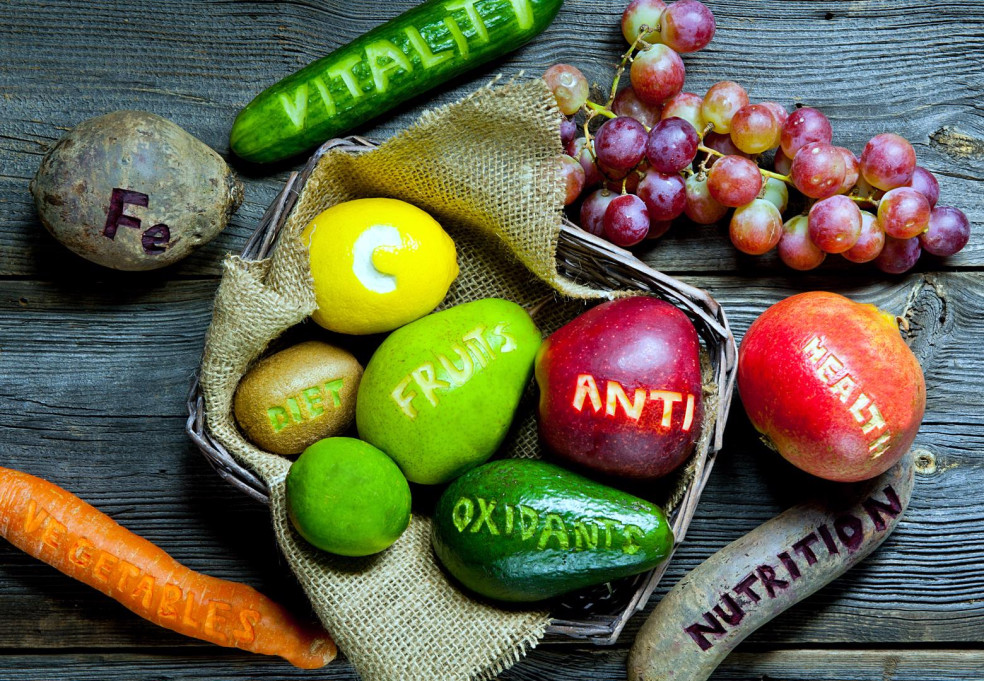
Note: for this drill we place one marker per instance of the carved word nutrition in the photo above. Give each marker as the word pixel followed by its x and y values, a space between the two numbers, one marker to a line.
pixel 586 390
pixel 218 620
pixel 383 57
pixel 546 531
pixel 832 371
pixel 154 240
pixel 848 532
pixel 473 353
pixel 305 405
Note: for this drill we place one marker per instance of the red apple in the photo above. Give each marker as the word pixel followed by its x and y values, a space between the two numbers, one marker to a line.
pixel 620 388
pixel 832 384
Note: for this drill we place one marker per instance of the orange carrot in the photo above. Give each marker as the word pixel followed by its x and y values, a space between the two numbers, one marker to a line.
pixel 60 529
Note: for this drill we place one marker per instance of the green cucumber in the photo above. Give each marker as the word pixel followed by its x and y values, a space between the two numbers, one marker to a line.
pixel 520 530
pixel 418 50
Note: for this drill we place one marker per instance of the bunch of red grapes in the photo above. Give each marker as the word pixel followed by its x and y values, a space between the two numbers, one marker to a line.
pixel 661 153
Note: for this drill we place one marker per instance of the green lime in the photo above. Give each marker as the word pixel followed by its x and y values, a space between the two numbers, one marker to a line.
pixel 347 497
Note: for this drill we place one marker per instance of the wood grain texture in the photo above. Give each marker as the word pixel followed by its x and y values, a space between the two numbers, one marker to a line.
pixel 769 665
pixel 874 66
pixel 94 365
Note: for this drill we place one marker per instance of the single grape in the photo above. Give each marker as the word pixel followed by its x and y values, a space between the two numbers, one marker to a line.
pixel 865 190
pixel 804 126
pixel 852 170
pixel 782 163
pixel 665 195
pixel 672 145
pixel 657 73
pixel 926 184
pixel 620 143
pixel 658 228
pixel 722 143
pixel 898 255
pixel 573 175
pixel 756 228
pixel 779 111
pixel 870 243
pixel 888 161
pixel 776 193
pixel 626 220
pixel 903 213
pixel 686 105
pixel 796 249
pixel 568 85
pixel 641 13
pixel 568 130
pixel 835 224
pixel 818 170
pixel 949 231
pixel 754 129
pixel 687 26
pixel 628 184
pixel 721 103
pixel 580 151
pixel 734 181
pixel 593 210
pixel 700 206
pixel 627 103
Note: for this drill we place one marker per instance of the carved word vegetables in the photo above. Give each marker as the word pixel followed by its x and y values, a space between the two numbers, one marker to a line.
pixel 404 57
pixel 60 529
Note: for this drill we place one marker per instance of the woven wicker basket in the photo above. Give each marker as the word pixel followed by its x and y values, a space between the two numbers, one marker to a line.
pixel 597 614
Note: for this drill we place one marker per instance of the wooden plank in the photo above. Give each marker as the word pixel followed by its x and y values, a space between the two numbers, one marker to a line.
pixel 198 63
pixel 93 399
pixel 540 665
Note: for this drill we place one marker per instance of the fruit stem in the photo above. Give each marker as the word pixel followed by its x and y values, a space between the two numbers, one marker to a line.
pixel 626 58
pixel 776 176
pixel 863 199
pixel 599 109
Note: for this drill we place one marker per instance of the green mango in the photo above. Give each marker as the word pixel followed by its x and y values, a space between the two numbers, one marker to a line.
pixel 520 530
pixel 439 394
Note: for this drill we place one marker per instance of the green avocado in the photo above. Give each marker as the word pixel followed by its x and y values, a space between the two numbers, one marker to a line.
pixel 521 530
pixel 439 394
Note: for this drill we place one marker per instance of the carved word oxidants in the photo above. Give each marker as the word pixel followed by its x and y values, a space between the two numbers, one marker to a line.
pixel 542 529
pixel 477 349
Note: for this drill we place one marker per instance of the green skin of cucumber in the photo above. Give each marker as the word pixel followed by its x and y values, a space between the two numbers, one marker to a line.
pixel 418 50
pixel 520 530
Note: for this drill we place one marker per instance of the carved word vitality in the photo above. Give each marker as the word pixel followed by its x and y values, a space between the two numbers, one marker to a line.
pixel 369 72
pixel 824 543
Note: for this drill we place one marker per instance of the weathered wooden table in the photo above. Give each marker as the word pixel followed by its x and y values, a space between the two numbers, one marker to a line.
pixel 94 365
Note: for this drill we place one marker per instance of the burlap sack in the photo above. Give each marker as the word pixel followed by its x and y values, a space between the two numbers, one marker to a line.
pixel 487 168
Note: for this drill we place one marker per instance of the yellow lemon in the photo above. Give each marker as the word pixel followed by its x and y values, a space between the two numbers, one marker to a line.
pixel 377 264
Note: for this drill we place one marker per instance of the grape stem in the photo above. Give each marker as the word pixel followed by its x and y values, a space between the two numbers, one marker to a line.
pixel 599 109
pixel 863 199
pixel 767 173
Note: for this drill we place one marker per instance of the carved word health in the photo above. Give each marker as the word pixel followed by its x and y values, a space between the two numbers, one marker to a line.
pixel 837 377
